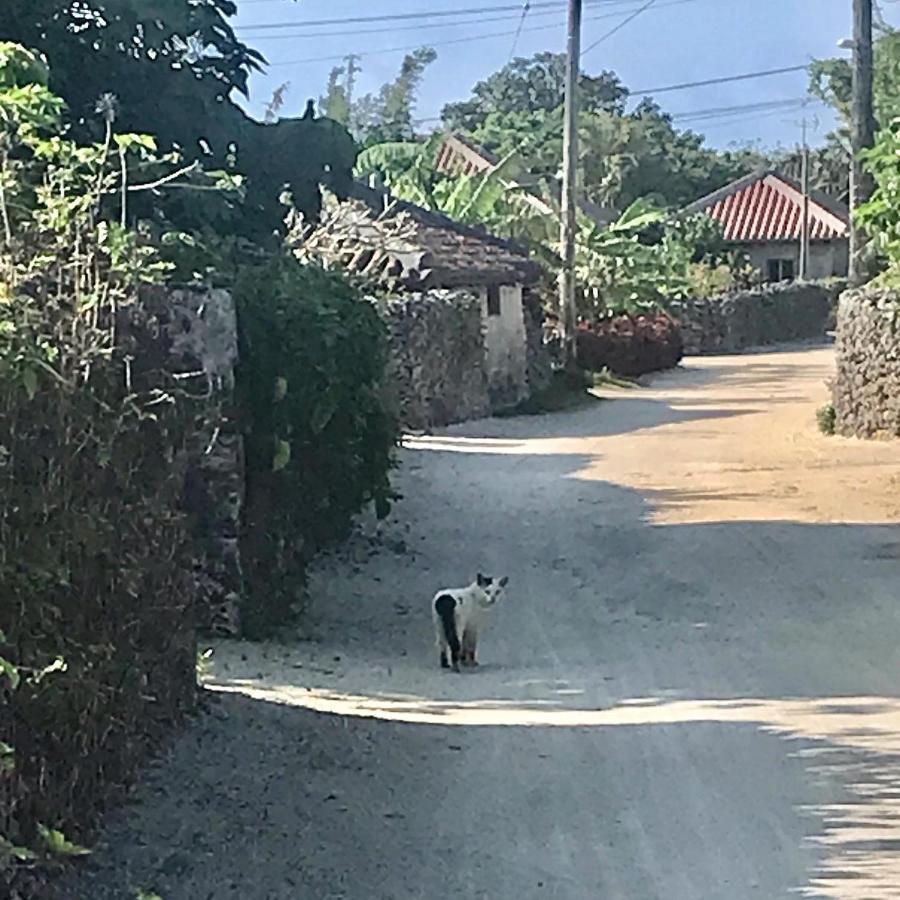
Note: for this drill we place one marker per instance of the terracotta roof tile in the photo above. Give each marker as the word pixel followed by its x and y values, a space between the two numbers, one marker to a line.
pixel 768 206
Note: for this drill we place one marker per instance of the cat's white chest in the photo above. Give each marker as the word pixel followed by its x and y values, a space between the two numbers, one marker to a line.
pixel 472 614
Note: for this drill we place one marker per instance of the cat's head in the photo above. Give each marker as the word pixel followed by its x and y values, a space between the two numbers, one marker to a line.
pixel 491 587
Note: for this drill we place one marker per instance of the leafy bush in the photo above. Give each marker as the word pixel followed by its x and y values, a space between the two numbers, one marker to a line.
pixel 97 644
pixel 881 215
pixel 630 345
pixel 318 437
pixel 826 417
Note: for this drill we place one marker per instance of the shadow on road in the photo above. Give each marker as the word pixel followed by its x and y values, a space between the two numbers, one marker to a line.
pixel 662 706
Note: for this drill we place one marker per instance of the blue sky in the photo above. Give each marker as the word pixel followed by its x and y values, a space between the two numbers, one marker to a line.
pixel 672 42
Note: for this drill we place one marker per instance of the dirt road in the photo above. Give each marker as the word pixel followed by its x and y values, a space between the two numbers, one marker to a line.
pixel 691 692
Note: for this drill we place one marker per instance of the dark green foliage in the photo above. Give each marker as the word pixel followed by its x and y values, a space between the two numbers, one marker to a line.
pixel 826 418
pixel 147 56
pixel 631 345
pixel 533 85
pixel 623 156
pixel 318 439
pixel 96 573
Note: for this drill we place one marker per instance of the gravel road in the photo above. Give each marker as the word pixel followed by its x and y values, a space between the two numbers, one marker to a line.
pixel 690 692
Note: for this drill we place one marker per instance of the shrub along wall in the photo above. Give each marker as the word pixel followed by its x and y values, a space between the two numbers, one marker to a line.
pixel 318 437
pixel 866 388
pixel 767 315
pixel 630 345
pixel 96 563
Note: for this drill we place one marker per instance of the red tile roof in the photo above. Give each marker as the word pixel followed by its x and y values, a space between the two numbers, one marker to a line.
pixel 768 207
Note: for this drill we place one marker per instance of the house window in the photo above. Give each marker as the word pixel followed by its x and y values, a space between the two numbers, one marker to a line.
pixel 780 270
pixel 493 300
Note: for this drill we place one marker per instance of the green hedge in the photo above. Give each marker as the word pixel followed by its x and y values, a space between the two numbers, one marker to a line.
pixel 318 436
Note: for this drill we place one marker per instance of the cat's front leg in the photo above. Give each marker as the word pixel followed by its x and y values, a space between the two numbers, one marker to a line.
pixel 469 640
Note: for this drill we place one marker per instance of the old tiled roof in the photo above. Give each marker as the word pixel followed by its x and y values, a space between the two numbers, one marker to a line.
pixel 392 240
pixel 767 206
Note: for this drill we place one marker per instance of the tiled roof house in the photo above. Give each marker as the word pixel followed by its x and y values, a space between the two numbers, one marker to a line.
pixel 409 248
pixel 762 213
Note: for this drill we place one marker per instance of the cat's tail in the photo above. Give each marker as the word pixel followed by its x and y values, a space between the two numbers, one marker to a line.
pixel 445 607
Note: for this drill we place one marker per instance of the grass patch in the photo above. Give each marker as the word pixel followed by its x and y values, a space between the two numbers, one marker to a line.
pixel 826 418
pixel 605 378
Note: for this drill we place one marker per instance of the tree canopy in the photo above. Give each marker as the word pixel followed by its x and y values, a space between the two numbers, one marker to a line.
pixel 170 68
pixel 380 117
pixel 622 157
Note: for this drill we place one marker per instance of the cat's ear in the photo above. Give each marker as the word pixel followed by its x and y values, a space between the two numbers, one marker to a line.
pixel 479 580
pixel 504 581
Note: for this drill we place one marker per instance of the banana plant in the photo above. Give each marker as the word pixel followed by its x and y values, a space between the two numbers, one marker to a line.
pixel 407 168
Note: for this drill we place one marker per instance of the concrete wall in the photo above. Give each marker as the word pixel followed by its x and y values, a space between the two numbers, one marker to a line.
pixel 866 388
pixel 771 314
pixel 827 259
pixel 505 345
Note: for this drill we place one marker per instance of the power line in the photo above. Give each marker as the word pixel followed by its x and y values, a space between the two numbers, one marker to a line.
pixel 525 8
pixel 618 27
pixel 392 17
pixel 720 111
pixel 737 119
pixel 462 40
pixel 549 7
pixel 724 80
pixel 418 26
pixel 685 85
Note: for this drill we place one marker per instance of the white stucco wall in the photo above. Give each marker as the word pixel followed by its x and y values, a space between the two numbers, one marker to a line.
pixel 826 258
pixel 505 346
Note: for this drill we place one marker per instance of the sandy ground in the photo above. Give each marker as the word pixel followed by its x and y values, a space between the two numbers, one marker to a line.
pixel 691 692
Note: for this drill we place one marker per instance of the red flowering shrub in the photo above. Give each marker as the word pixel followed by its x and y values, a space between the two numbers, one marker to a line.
pixel 630 345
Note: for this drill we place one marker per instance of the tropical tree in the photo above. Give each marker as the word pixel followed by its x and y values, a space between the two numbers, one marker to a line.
pixel 170 69
pixel 642 259
pixel 881 215
pixel 622 156
pixel 530 86
pixel 383 116
pixel 831 80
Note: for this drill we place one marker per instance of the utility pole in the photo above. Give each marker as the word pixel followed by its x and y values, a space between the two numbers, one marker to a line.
pixel 352 71
pixel 568 314
pixel 804 223
pixel 863 133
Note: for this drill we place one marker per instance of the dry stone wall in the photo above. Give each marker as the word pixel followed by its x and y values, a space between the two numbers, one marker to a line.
pixel 866 388
pixel 436 373
pixel 771 314
pixel 198 328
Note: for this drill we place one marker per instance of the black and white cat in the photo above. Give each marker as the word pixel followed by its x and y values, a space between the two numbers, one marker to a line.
pixel 459 615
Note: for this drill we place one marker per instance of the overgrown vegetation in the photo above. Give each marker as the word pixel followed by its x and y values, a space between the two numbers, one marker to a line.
pixel 173 67
pixel 881 215
pixel 631 344
pixel 637 262
pixel 95 554
pixel 826 417
pixel 97 550
pixel 318 438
